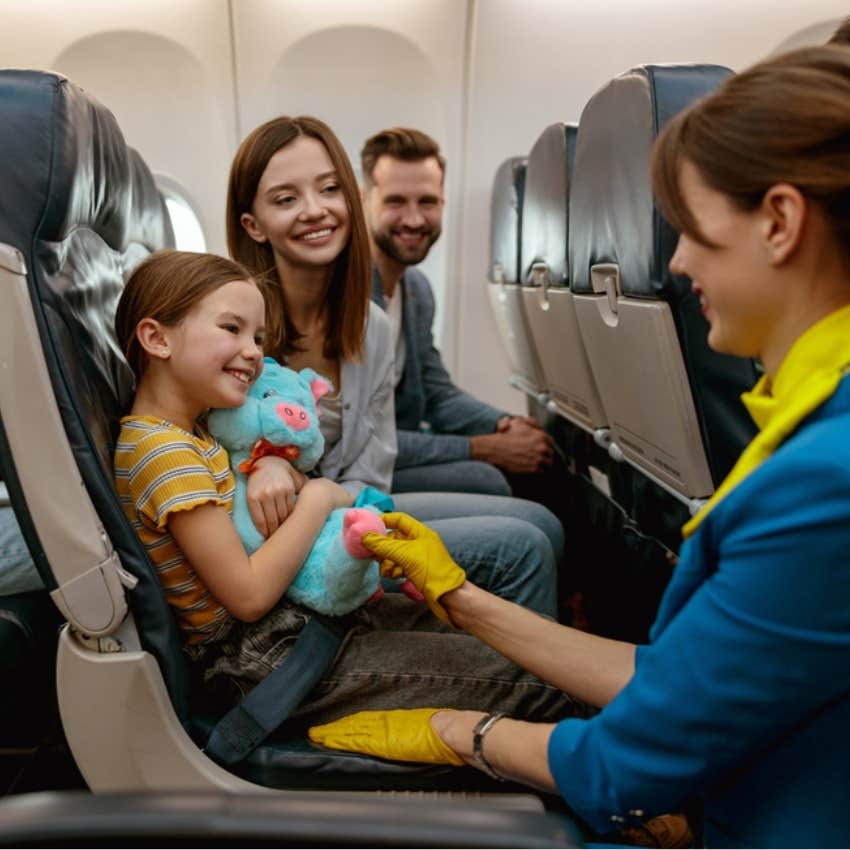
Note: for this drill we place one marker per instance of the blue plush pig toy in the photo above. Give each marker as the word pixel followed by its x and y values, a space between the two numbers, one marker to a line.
pixel 280 417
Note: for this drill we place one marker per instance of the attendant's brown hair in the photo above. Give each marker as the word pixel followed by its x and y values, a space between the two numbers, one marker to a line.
pixel 784 120
pixel 165 287
pixel 350 286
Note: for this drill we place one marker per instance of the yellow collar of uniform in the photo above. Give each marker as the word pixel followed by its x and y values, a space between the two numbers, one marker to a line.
pixel 806 378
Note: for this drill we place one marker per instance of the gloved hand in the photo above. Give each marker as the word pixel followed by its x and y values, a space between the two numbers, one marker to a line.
pixel 401 735
pixel 417 553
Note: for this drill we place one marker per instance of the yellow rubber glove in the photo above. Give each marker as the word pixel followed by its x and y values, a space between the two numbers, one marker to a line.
pixel 400 735
pixel 417 553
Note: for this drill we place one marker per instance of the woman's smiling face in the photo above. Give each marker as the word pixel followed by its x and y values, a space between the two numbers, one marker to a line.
pixel 299 207
pixel 732 276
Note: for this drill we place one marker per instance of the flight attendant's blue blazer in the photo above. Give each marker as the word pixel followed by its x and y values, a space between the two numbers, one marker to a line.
pixel 742 697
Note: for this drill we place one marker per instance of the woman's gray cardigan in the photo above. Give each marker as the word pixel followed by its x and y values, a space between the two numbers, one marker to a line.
pixel 365 453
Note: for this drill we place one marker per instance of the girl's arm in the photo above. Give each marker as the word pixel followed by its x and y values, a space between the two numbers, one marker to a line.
pixel 248 587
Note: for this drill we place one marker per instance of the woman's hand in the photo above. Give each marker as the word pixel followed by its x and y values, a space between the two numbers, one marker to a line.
pixel 270 492
pixel 401 735
pixel 417 553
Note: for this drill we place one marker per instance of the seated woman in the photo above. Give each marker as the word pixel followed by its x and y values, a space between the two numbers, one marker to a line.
pixel 742 698
pixel 294 217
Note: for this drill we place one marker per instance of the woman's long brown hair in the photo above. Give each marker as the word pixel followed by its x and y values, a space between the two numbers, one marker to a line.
pixel 350 286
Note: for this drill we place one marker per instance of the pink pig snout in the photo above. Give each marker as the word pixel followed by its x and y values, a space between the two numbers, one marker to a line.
pixel 356 523
pixel 293 415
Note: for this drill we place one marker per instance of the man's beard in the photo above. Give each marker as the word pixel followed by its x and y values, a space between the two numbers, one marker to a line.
pixel 407 256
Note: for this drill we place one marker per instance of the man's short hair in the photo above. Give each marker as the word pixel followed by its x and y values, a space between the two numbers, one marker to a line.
pixel 842 34
pixel 403 143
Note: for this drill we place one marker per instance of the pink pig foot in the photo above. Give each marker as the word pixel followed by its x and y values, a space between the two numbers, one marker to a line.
pixel 375 596
pixel 356 523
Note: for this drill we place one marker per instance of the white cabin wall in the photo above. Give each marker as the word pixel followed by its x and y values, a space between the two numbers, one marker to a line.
pixel 164 68
pixel 187 79
pixel 359 66
pixel 534 62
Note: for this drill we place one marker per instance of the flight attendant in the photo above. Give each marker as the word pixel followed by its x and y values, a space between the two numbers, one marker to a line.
pixel 742 697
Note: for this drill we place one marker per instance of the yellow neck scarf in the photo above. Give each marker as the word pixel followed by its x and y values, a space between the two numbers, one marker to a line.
pixel 807 377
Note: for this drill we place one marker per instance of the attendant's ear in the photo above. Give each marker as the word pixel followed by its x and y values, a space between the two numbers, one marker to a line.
pixel 249 224
pixel 153 339
pixel 785 210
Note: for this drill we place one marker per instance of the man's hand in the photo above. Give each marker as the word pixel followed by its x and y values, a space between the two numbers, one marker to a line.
pixel 417 553
pixel 506 421
pixel 518 446
pixel 270 492
pixel 401 735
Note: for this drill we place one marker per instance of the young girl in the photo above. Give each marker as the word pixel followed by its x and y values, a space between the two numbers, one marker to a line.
pixel 294 217
pixel 742 698
pixel 192 327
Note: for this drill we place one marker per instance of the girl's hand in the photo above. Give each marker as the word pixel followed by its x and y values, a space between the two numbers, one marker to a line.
pixel 270 492
pixel 334 495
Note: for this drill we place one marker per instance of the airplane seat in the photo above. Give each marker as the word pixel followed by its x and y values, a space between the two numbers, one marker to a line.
pixel 78 212
pixel 673 404
pixel 506 213
pixel 544 273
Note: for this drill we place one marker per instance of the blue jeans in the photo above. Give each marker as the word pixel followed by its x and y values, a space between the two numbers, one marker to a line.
pixel 17 571
pixel 396 654
pixel 511 547
pixel 458 476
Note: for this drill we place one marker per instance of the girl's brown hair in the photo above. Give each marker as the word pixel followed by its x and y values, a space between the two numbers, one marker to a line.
pixel 350 286
pixel 165 287
pixel 784 120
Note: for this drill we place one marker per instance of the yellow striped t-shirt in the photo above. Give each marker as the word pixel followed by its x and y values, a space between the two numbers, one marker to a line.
pixel 159 469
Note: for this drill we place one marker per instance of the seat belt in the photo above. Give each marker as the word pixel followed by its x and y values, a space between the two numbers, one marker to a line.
pixel 247 725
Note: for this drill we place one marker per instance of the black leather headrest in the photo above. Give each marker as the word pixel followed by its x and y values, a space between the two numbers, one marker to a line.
pixel 66 166
pixel 546 205
pixel 506 219
pixel 614 219
pixel 84 210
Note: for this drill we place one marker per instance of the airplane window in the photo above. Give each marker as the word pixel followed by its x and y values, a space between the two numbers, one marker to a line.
pixel 188 232
pixel 188 235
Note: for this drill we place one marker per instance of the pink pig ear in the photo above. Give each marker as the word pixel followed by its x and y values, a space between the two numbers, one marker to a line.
pixel 320 387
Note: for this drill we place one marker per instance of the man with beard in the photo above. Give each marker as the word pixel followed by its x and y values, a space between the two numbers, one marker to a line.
pixel 447 439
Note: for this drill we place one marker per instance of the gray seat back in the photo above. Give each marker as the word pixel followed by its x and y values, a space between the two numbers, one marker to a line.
pixel 545 273
pixel 506 211
pixel 673 404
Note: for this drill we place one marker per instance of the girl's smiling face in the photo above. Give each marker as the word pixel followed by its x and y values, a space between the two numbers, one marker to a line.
pixel 216 351
pixel 299 207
